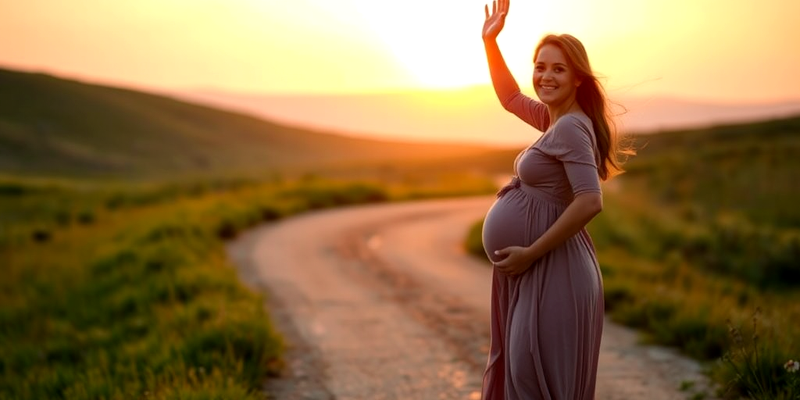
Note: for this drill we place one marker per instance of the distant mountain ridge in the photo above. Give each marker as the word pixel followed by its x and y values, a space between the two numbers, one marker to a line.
pixel 53 126
pixel 470 114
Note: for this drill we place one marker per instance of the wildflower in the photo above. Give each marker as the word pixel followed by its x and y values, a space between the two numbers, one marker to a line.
pixel 792 366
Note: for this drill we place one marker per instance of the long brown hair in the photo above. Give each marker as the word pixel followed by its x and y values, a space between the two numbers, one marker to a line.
pixel 593 100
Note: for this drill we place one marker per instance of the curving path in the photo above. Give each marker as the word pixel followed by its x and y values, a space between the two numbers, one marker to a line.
pixel 381 302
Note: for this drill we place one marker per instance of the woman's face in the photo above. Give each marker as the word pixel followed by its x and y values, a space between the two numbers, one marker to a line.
pixel 553 79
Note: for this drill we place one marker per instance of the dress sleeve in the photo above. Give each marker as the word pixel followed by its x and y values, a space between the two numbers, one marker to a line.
pixel 572 143
pixel 533 112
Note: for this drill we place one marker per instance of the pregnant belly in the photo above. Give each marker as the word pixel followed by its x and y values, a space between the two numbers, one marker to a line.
pixel 505 225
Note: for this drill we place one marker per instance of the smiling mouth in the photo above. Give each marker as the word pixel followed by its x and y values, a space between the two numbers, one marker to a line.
pixel 548 87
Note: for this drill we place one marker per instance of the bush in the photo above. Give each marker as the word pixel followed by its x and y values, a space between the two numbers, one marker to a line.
pixel 474 240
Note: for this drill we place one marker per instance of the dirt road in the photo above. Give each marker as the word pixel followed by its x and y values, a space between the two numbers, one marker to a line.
pixel 382 302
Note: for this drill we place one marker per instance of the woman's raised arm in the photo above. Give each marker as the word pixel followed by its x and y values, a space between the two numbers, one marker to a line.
pixel 506 88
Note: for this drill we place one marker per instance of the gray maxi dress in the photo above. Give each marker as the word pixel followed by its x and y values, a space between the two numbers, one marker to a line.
pixel 546 323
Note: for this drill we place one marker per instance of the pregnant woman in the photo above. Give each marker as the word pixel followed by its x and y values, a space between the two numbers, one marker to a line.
pixel 547 290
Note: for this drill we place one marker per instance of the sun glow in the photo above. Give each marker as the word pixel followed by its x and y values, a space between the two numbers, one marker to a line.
pixel 669 47
pixel 436 42
pixel 440 44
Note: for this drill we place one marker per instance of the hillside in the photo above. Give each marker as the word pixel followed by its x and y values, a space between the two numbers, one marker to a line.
pixel 57 127
pixel 748 169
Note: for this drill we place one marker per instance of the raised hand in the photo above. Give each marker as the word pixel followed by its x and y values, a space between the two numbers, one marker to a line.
pixel 496 19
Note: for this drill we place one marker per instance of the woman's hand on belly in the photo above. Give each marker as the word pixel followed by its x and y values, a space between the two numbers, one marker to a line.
pixel 516 260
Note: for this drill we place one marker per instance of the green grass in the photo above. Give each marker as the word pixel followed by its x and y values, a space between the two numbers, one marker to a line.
pixel 700 233
pixel 135 300
pixel 113 292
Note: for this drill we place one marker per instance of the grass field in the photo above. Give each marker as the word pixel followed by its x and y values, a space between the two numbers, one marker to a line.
pixel 699 244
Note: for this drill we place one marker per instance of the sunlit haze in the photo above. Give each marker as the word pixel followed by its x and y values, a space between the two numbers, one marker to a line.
pixel 722 50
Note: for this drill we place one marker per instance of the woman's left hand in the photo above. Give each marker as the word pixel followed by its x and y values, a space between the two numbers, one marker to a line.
pixel 516 260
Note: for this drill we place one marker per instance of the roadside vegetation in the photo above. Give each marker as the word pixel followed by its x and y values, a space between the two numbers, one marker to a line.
pixel 125 291
pixel 699 244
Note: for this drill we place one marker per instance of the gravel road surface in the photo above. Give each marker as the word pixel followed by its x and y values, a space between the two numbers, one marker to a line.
pixel 382 302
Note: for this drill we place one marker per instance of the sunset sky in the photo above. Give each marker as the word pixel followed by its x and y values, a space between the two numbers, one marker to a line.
pixel 722 50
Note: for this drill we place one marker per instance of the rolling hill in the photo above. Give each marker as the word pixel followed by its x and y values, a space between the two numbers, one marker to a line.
pixel 471 115
pixel 750 169
pixel 57 127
